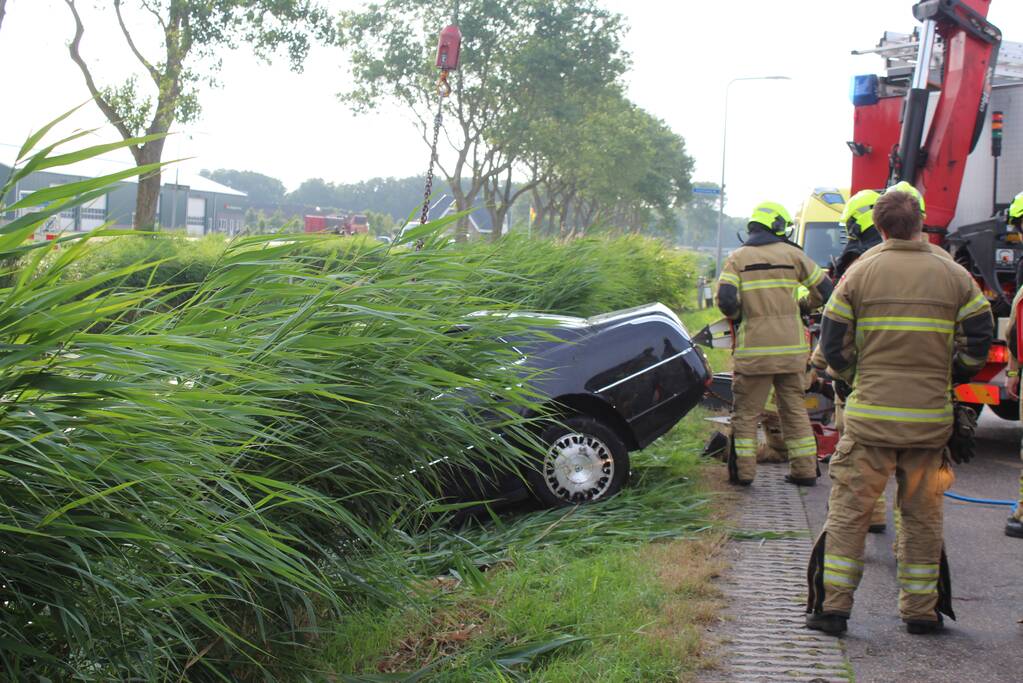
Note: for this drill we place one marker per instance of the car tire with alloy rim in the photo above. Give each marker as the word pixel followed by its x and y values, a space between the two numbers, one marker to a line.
pixel 585 462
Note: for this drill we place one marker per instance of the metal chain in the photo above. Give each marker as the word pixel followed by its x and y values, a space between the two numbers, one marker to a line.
pixel 433 160
pixel 443 90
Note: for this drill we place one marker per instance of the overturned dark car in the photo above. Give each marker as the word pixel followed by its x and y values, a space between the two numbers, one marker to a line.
pixel 615 383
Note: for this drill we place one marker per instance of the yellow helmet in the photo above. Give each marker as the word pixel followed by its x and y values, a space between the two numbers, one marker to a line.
pixel 903 186
pixel 1016 208
pixel 858 216
pixel 772 216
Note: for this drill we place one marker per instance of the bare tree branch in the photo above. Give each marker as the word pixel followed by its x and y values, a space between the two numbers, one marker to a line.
pixel 155 13
pixel 76 56
pixel 521 191
pixel 153 73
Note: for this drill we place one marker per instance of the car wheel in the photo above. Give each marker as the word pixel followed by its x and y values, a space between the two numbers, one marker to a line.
pixel 1009 410
pixel 585 462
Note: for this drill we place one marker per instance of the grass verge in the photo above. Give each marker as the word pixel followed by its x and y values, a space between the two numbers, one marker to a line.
pixel 613 592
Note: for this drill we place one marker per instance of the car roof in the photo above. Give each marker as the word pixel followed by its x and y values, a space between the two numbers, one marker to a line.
pixel 542 319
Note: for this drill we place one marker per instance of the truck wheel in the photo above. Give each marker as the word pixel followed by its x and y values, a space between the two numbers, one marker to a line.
pixel 1008 410
pixel 585 461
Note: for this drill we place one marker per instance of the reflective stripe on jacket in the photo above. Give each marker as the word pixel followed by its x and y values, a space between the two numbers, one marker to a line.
pixel 897 324
pixel 758 286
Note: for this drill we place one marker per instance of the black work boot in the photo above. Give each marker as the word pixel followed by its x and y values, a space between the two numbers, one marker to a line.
pixel 923 627
pixel 801 481
pixel 829 622
pixel 740 482
pixel 1014 528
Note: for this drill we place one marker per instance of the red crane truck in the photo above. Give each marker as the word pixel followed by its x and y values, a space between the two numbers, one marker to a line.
pixel 951 94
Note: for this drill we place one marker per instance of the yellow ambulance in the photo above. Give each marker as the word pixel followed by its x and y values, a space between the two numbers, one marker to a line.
pixel 818 230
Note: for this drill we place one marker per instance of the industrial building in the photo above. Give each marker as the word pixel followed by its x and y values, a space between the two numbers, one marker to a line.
pixel 187 202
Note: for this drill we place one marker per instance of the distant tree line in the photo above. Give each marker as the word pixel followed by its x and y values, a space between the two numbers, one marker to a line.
pixel 386 201
pixel 554 207
pixel 398 197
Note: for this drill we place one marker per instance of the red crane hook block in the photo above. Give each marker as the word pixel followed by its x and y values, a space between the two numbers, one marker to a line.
pixel 448 48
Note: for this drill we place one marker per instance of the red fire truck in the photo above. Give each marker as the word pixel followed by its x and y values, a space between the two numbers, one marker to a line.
pixel 348 224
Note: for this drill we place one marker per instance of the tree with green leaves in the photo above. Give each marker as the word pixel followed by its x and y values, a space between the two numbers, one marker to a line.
pixel 698 221
pixel 397 197
pixel 259 187
pixel 315 192
pixel 615 166
pixel 520 61
pixel 380 223
pixel 192 32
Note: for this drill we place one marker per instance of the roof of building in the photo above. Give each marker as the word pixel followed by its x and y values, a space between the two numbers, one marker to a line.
pixel 99 166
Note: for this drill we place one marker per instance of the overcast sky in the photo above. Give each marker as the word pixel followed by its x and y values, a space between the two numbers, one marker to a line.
pixel 784 137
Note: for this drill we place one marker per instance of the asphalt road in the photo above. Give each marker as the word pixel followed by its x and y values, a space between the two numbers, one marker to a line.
pixel 986 643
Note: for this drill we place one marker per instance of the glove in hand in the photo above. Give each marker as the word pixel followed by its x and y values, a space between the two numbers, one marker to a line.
pixel 964 426
pixel 842 388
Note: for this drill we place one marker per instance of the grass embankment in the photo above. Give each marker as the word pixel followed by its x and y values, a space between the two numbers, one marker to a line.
pixel 614 592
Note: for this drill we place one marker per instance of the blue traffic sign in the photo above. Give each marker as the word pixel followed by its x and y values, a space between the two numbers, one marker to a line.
pixel 706 190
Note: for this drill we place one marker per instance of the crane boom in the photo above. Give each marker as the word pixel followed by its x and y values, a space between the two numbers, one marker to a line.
pixel 971 47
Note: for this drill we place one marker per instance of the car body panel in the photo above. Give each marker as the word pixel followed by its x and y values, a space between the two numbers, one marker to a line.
pixel 640 362
pixel 637 370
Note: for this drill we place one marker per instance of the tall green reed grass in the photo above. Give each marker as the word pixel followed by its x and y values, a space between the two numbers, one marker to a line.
pixel 189 471
pixel 569 277
pixel 208 448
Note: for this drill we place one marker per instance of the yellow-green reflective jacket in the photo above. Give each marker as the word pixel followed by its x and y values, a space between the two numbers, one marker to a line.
pixel 770 338
pixel 892 327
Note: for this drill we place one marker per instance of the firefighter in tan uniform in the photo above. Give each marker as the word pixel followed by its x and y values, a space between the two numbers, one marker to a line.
pixel 1014 525
pixel 757 289
pixel 899 328
pixel 862 235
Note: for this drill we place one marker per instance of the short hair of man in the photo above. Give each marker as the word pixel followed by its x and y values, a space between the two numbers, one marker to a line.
pixel 898 215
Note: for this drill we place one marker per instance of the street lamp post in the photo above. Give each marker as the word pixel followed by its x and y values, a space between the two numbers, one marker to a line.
pixel 724 148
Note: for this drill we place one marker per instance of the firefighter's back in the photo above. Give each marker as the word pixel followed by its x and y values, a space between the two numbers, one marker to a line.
pixel 906 301
pixel 771 338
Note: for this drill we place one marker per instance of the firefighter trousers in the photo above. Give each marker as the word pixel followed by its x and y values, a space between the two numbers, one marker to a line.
pixel 749 397
pixel 880 514
pixel 859 474
pixel 1019 507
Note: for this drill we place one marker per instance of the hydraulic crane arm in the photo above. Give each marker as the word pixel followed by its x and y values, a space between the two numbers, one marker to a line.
pixel 971 48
